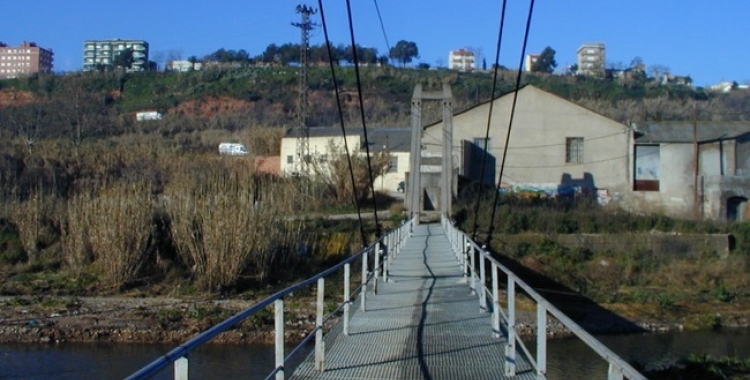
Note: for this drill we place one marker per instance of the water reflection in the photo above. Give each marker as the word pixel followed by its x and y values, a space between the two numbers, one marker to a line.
pixel 568 358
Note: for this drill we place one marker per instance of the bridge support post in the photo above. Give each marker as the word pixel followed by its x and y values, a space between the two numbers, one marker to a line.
pixel 510 350
pixel 279 338
pixel 181 369
pixel 495 301
pixel 541 341
pixel 347 295
pixel 483 281
pixel 319 344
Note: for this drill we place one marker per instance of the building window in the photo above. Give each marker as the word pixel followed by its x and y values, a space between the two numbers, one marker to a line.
pixel 574 150
pixel 393 165
pixel 647 163
pixel 290 159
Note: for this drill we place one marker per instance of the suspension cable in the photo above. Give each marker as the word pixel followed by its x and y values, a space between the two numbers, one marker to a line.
pixel 378 228
pixel 510 123
pixel 382 27
pixel 362 234
pixel 489 120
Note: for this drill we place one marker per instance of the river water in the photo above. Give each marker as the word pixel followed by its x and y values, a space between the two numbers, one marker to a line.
pixel 567 358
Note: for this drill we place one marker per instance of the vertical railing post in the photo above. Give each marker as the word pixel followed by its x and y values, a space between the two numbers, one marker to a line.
pixel 541 341
pixel 363 292
pixel 279 337
pixel 482 281
pixel 319 344
pixel 614 373
pixel 387 257
pixel 181 369
pixel 347 295
pixel 510 350
pixel 376 269
pixel 472 271
pixel 466 261
pixel 495 301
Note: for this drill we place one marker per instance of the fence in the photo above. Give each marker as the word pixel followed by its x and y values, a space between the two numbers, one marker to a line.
pixel 474 259
pixel 385 247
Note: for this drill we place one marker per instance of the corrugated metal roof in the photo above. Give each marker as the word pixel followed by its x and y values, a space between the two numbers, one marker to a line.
pixel 393 139
pixel 682 132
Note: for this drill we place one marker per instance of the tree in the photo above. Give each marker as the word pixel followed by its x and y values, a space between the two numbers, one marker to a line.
pixel 546 62
pixel 404 52
pixel 124 60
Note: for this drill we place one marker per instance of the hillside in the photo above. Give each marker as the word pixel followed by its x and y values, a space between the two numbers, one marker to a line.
pixel 240 97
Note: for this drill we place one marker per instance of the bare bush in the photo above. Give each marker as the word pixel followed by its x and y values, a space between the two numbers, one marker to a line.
pixel 221 229
pixel 32 219
pixel 337 177
pixel 119 223
pixel 74 224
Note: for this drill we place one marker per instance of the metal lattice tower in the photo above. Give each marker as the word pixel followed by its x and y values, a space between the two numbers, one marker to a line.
pixel 303 133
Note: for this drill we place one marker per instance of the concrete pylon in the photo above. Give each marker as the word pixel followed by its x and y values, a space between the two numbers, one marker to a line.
pixel 414 189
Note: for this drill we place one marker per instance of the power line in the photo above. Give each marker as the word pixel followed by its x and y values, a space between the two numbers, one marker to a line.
pixel 362 234
pixel 489 117
pixel 510 121
pixel 378 230
pixel 382 27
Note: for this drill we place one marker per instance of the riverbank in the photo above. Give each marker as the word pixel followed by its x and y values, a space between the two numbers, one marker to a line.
pixel 50 320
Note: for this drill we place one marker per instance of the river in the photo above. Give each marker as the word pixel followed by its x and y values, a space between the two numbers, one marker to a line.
pixel 568 358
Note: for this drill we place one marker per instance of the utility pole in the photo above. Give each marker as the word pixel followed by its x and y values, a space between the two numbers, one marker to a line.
pixel 303 133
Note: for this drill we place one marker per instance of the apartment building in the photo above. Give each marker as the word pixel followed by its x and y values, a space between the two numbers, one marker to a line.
pixel 592 59
pixel 461 59
pixel 24 60
pixel 101 54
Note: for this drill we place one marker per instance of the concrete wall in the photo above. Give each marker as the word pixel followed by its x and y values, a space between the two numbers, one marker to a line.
pixel 536 153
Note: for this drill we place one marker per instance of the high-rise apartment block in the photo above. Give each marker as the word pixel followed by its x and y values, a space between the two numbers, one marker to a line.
pixel 591 59
pixel 24 60
pixel 461 59
pixel 101 54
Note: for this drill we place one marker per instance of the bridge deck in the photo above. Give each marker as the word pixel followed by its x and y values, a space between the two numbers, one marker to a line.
pixel 423 324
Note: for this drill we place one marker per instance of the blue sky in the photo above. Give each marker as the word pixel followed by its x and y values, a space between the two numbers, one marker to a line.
pixel 707 40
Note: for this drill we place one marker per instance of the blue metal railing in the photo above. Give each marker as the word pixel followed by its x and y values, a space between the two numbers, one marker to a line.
pixel 392 242
pixel 466 250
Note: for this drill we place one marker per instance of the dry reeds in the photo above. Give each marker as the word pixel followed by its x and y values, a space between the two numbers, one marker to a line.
pixel 219 226
pixel 112 228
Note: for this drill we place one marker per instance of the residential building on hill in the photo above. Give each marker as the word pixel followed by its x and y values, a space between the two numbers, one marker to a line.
pixel 592 59
pixel 24 60
pixel 461 59
pixel 182 66
pixel 101 54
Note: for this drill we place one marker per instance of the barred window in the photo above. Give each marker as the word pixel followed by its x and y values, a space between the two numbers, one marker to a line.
pixel 574 150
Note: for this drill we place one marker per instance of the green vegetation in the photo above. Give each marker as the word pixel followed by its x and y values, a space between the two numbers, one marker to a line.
pixel 705 367
pixel 623 266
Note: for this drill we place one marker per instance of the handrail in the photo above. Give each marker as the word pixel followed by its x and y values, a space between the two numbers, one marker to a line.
pixel 618 368
pixel 178 356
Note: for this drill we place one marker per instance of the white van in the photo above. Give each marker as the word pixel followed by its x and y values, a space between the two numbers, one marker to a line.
pixel 232 149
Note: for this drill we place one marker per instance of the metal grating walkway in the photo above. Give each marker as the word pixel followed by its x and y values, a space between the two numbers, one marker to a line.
pixel 423 324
